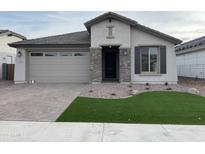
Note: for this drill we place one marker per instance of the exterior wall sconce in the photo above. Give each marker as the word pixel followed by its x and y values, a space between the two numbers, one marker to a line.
pixel 19 54
pixel 125 53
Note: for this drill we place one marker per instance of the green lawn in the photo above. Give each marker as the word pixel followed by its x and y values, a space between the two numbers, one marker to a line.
pixel 148 107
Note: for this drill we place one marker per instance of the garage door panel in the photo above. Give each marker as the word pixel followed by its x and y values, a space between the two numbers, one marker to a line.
pixel 60 69
pixel 59 73
pixel 61 79
pixel 60 61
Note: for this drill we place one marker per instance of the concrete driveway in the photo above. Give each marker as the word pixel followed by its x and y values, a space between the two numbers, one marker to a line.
pixel 98 132
pixel 36 102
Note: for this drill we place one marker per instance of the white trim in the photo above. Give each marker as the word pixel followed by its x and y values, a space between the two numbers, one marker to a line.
pixel 96 82
pixel 158 62
pixel 126 83
pixel 150 74
pixel 153 82
pixel 19 82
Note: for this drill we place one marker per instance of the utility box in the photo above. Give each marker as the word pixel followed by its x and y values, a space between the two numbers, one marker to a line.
pixel 8 71
pixel 4 71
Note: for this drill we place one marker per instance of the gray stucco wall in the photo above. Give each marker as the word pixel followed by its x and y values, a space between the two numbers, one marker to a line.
pixel 125 64
pixel 96 64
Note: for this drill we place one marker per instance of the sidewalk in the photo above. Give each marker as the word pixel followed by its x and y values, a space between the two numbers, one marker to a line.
pixel 97 132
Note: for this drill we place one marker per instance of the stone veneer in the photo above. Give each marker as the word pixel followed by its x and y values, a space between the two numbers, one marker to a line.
pixel 125 64
pixel 96 65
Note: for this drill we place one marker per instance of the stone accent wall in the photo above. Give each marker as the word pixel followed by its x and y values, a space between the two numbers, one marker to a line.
pixel 125 64
pixel 96 64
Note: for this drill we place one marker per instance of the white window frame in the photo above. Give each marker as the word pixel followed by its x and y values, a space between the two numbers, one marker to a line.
pixel 158 61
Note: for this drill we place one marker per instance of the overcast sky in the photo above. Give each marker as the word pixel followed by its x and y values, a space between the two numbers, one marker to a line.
pixel 183 25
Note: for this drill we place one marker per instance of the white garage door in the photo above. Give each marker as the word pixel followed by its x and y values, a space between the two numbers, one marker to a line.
pixel 59 66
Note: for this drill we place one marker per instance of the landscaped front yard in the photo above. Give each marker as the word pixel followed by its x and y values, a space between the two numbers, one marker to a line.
pixel 149 107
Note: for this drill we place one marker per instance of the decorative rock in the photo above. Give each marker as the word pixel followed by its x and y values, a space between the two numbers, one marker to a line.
pixel 133 92
pixel 193 91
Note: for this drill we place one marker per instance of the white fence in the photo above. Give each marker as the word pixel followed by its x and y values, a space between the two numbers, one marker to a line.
pixel 193 70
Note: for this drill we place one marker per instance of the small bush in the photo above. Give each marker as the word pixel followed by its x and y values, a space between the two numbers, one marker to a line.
pixel 169 88
pixel 113 94
pixel 130 86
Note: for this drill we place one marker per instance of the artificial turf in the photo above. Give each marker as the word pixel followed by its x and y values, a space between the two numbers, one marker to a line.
pixel 149 107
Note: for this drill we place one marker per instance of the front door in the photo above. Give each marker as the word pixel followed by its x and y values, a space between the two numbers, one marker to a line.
pixel 110 63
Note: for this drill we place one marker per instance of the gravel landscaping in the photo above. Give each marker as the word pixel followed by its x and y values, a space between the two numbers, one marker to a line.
pixel 116 90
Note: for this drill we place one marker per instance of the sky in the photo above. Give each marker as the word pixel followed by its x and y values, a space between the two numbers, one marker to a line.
pixel 183 25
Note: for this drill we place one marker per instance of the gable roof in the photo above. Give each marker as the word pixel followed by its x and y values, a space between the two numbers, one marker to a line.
pixel 191 44
pixel 12 33
pixel 76 38
pixel 112 15
pixel 83 38
pixel 109 15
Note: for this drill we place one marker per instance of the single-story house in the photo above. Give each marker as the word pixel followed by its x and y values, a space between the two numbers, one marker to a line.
pixel 113 49
pixel 191 58
pixel 7 53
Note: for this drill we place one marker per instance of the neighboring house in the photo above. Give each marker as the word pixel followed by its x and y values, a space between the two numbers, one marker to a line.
pixel 191 58
pixel 114 48
pixel 8 54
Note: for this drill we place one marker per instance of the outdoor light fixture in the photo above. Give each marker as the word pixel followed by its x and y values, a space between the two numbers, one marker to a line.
pixel 32 81
pixel 125 53
pixel 19 54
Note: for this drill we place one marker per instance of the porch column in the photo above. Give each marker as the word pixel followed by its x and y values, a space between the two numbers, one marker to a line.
pixel 96 64
pixel 125 65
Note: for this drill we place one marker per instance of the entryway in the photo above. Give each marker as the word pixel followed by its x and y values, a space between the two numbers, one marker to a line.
pixel 110 63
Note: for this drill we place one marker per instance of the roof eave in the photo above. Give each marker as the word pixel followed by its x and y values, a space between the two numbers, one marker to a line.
pixel 14 34
pixel 189 50
pixel 48 45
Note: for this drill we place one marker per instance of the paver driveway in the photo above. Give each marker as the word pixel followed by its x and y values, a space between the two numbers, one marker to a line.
pixel 36 102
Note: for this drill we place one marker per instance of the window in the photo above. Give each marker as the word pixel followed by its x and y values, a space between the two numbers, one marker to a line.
pixel 150 59
pixel 66 53
pixel 37 54
pixel 79 54
pixel 50 53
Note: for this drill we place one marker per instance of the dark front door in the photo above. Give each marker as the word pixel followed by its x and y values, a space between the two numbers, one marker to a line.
pixel 110 63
